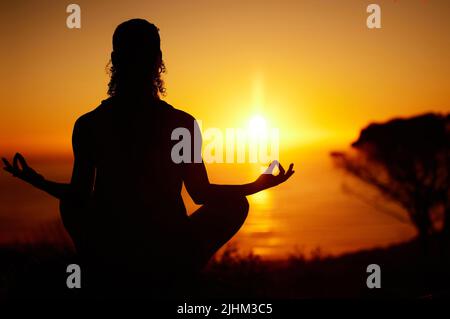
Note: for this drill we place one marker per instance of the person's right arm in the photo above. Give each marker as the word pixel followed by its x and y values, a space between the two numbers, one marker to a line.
pixel 200 189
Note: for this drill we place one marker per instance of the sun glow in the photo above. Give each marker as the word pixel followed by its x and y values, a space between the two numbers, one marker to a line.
pixel 257 126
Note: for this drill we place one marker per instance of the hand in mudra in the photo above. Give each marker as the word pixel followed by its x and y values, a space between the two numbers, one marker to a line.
pixel 19 168
pixel 267 179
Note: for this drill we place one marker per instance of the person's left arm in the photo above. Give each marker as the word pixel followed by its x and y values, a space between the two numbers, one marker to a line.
pixel 81 185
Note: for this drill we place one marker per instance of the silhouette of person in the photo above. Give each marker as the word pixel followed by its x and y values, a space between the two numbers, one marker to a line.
pixel 123 206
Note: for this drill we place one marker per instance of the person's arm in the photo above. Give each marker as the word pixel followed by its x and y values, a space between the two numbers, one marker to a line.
pixel 20 169
pixel 201 190
pixel 83 174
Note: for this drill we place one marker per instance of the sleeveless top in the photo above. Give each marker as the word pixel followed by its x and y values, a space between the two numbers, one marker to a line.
pixel 136 208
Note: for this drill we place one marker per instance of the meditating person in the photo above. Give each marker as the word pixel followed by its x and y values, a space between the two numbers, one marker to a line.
pixel 123 206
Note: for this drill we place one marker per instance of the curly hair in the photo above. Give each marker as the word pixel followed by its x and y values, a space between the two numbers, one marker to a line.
pixel 136 41
pixel 157 83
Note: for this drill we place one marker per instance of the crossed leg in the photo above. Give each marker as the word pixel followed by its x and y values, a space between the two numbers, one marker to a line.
pixel 214 224
pixel 210 227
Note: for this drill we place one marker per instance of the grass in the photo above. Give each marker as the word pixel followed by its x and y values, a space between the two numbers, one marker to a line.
pixel 37 270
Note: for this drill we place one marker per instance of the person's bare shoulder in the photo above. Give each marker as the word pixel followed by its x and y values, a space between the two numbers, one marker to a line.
pixel 179 117
pixel 88 119
pixel 98 112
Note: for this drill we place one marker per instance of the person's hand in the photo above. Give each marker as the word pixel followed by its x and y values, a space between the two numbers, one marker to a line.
pixel 267 179
pixel 19 168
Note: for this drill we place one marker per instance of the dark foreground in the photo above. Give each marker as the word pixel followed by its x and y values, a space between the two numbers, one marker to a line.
pixel 39 271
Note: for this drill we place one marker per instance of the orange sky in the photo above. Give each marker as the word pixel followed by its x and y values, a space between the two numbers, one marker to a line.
pixel 311 68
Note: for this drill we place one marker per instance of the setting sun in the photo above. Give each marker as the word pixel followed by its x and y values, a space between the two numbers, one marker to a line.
pixel 257 126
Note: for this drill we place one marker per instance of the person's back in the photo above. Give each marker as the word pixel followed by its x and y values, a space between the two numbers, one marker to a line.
pixel 136 220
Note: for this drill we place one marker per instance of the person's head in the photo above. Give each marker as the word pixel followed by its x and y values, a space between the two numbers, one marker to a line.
pixel 136 59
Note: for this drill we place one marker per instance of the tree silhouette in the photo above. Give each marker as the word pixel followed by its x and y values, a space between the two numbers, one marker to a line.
pixel 408 161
